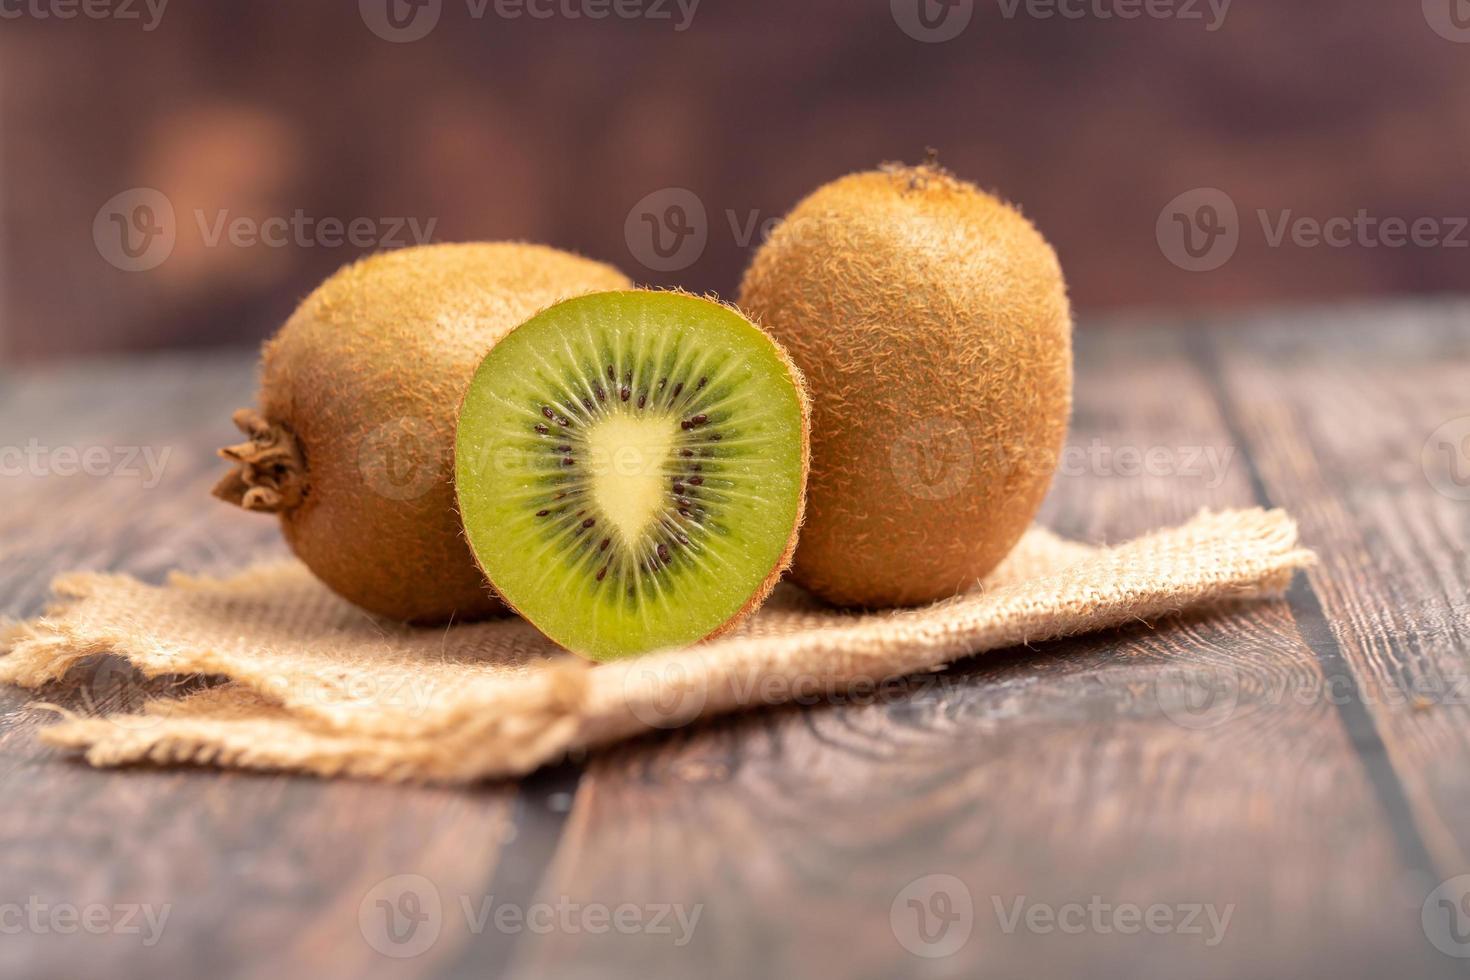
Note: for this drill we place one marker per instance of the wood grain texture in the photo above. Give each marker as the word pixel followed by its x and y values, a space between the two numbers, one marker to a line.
pixel 1369 445
pixel 1046 777
pixel 261 875
pixel 1091 767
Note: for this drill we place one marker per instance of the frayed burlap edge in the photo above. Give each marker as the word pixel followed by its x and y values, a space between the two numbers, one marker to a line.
pixel 507 722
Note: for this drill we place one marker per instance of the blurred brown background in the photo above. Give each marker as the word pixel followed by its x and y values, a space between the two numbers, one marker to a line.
pixel 569 128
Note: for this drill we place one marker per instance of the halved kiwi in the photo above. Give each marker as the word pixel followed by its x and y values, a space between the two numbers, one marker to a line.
pixel 631 469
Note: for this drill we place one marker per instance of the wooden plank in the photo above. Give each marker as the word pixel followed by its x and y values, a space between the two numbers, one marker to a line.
pixel 1042 777
pixel 259 870
pixel 1361 443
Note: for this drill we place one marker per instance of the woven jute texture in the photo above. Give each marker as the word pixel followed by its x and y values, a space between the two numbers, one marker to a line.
pixel 293 678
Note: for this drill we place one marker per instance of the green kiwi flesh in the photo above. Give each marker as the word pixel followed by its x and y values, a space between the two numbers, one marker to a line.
pixel 630 469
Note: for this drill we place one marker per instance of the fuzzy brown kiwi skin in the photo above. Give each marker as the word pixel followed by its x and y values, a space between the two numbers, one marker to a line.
pixel 910 298
pixel 783 564
pixel 385 348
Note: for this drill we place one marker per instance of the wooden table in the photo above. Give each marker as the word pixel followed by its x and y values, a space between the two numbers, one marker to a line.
pixel 1082 800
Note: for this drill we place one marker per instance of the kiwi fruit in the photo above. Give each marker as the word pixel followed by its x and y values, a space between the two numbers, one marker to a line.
pixel 932 323
pixel 353 441
pixel 631 468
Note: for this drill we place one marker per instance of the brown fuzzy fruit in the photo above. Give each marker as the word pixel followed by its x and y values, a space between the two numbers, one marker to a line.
pixel 353 443
pixel 932 324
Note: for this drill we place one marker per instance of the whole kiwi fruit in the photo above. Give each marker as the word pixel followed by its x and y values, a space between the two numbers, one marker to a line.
pixel 932 323
pixel 353 441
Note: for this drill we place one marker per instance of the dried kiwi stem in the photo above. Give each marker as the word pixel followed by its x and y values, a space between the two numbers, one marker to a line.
pixel 271 476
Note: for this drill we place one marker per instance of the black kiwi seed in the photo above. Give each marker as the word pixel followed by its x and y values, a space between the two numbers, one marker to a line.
pixel 686 512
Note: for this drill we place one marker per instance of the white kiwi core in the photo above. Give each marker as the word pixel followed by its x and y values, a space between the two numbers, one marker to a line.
pixel 627 456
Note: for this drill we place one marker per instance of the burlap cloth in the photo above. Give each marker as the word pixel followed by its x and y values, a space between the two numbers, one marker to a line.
pixel 308 683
